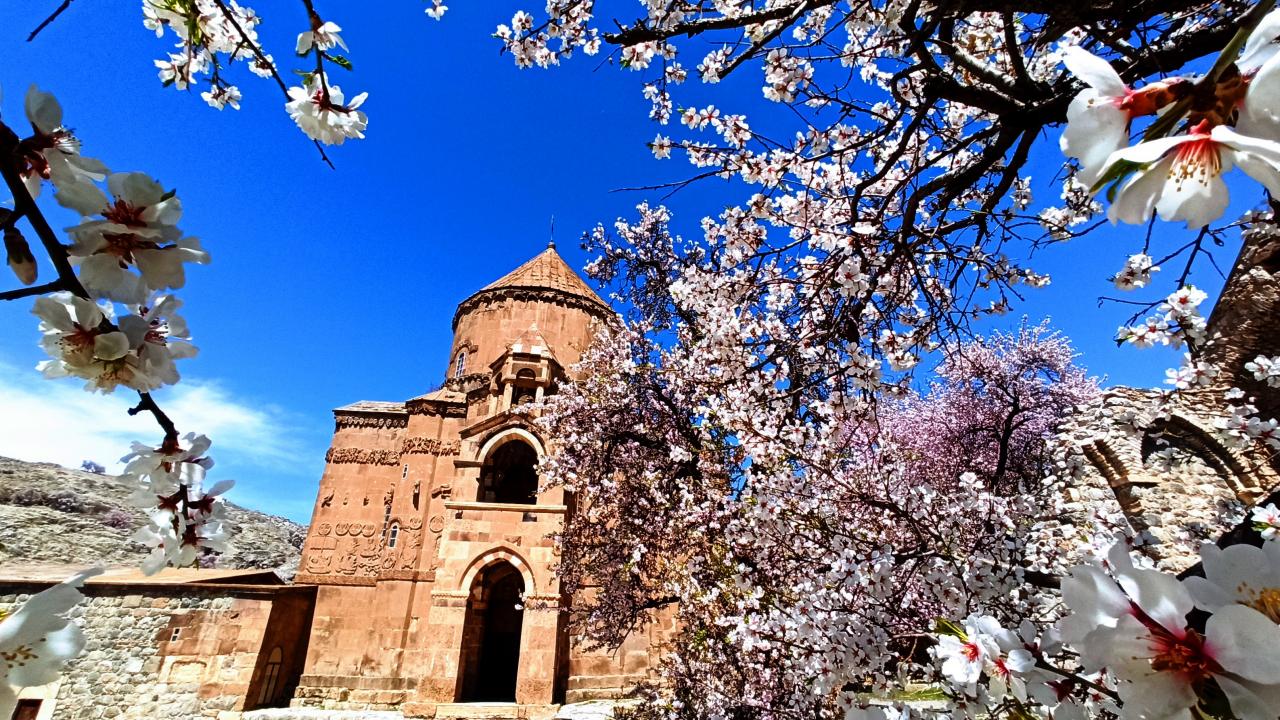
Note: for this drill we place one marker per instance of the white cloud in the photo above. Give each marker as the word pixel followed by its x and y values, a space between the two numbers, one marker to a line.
pixel 57 421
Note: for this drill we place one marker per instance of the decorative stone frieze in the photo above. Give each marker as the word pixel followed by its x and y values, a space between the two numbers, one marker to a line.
pixel 381 422
pixel 429 446
pixel 362 456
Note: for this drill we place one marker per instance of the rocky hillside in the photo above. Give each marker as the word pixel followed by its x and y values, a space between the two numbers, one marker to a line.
pixel 49 513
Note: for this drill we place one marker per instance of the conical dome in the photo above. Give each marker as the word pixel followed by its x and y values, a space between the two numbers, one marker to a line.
pixel 545 272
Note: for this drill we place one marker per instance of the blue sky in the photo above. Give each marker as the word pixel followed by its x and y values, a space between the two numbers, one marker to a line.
pixel 329 286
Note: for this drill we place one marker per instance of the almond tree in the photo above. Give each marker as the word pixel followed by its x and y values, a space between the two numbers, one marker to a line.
pixel 746 435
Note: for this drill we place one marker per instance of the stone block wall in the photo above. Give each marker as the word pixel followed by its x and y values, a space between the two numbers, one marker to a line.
pixel 169 652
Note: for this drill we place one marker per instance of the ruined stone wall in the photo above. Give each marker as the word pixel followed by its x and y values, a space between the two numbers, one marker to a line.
pixel 133 666
pixel 1139 462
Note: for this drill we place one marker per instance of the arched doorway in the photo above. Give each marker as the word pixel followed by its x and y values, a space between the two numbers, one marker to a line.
pixel 490 659
pixel 510 475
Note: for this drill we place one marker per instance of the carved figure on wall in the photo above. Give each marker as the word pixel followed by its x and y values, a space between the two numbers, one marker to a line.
pixel 318 562
pixel 445 491
pixel 327 499
pixel 323 529
pixel 347 564
pixel 436 524
pixel 409 550
pixel 389 496
pixel 369 556
pixel 341 528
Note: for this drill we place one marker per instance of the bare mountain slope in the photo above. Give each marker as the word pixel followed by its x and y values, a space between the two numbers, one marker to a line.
pixel 52 514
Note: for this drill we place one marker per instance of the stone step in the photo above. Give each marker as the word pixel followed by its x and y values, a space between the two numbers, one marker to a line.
pixel 317 714
pixel 493 711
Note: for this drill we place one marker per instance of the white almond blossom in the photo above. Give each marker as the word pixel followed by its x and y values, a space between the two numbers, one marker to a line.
pixel 160 470
pixel 1260 64
pixel 160 336
pixel 1240 574
pixel 1180 178
pixel 1136 273
pixel 184 518
pixel 1266 520
pixel 137 226
pixel 1098 118
pixel 53 152
pixel 964 657
pixel 38 639
pixel 319 111
pixel 323 37
pixel 1265 369
pixel 219 97
pixel 82 343
pixel 437 10
pixel 1134 622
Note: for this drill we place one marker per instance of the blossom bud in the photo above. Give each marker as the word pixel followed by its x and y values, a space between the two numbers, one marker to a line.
pixel 20 259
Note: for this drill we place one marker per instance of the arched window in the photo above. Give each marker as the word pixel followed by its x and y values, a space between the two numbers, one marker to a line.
pixel 510 475
pixel 393 534
pixel 271 677
pixel 460 366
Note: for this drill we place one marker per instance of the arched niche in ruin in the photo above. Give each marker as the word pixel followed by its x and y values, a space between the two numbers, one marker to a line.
pixel 489 662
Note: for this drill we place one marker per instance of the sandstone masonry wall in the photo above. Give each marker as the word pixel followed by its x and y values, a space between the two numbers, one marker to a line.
pixel 133 665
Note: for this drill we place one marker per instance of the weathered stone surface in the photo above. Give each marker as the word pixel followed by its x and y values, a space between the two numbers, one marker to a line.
pixel 42 505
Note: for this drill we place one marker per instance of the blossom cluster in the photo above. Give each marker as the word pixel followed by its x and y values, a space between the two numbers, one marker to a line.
pixel 1135 648
pixel 111 319
pixel 1178 177
pixel 184 518
pixel 758 415
pixel 213 35
pixel 1179 323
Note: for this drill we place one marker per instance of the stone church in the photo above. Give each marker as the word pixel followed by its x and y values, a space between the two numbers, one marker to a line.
pixel 430 541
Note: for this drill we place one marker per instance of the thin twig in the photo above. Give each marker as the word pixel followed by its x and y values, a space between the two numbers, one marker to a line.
pixel 48 287
pixel 65 4
pixel 148 404
pixel 275 73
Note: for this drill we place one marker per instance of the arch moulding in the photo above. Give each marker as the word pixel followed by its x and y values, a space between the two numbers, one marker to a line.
pixel 505 436
pixel 491 557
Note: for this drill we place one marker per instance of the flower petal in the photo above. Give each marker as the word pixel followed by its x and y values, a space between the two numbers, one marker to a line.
pixel 1245 642
pixel 1137 197
pixel 1259 47
pixel 1094 71
pixel 43 110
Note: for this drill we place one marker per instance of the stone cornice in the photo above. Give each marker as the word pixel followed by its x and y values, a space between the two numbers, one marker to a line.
pixel 361 419
pixel 591 306
pixel 440 408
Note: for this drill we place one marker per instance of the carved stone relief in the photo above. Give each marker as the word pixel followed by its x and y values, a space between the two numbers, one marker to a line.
pixel 367 421
pixel 361 456
pixel 429 446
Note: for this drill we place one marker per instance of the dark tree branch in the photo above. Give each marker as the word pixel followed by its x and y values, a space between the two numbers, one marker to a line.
pixel 49 287
pixel 54 16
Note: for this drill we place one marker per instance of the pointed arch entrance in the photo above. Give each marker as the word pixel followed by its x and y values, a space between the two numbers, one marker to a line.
pixel 490 661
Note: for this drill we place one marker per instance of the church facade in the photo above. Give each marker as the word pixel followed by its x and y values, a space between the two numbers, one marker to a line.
pixel 431 545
